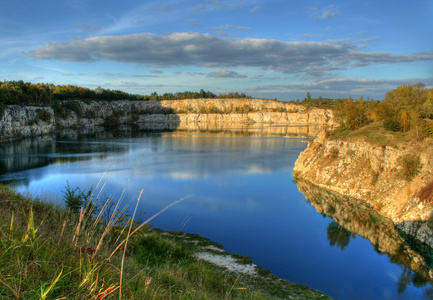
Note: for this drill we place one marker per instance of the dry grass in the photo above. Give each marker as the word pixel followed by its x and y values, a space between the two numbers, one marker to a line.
pixel 375 134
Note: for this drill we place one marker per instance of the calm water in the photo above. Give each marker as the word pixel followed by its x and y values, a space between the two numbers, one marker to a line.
pixel 243 196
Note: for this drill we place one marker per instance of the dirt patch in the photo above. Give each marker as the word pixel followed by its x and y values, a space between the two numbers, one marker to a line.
pixel 228 262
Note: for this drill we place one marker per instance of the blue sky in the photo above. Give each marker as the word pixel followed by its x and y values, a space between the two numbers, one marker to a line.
pixel 269 49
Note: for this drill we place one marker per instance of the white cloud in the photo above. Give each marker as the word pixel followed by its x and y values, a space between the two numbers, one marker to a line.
pixel 206 50
pixel 323 14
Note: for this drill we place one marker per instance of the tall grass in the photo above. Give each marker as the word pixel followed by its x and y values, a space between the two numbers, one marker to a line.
pixel 48 252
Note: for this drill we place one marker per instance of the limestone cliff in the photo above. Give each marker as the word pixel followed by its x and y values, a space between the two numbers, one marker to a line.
pixel 20 121
pixel 373 174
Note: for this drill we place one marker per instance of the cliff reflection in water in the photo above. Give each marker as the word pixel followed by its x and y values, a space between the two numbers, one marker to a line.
pixel 354 217
pixel 73 145
pixel 41 151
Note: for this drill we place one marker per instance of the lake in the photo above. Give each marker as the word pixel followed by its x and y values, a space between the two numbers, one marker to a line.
pixel 242 195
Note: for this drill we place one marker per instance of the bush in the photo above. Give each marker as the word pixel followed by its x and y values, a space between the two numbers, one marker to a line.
pixel 411 166
pixel 428 130
pixel 43 115
pixel 74 106
pixel 215 110
pixel 75 199
pixel 391 124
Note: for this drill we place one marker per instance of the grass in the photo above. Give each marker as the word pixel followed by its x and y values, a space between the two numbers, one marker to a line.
pixel 48 252
pixel 373 133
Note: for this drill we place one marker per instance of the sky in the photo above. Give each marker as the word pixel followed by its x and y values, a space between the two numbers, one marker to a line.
pixel 267 49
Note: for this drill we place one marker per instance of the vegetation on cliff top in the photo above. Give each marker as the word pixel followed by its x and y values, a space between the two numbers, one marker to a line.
pixel 49 252
pixel 26 93
pixel 406 114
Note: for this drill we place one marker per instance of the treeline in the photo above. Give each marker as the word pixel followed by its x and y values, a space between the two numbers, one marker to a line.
pixel 408 107
pixel 26 94
pixel 319 102
pixel 194 95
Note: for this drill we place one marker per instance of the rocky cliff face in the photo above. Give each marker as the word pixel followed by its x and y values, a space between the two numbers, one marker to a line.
pixel 373 174
pixel 20 121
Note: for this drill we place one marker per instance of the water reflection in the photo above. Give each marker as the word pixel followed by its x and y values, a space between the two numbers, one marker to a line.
pixel 338 235
pixel 352 216
pixel 245 130
pixel 38 152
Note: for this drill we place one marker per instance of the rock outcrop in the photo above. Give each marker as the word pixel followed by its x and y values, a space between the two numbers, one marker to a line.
pixel 20 121
pixel 373 174
pixel 17 122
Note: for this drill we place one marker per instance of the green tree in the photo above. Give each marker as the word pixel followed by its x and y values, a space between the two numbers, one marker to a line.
pixel 75 199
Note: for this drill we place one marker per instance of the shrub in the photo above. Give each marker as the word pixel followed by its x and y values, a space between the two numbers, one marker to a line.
pixel 427 130
pixel 215 110
pixel 74 106
pixel 43 115
pixel 411 166
pixel 391 124
pixel 425 193
pixel 75 199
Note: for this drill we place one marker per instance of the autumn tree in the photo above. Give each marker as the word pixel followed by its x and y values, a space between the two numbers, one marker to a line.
pixel 404 121
pixel 351 114
pixel 406 108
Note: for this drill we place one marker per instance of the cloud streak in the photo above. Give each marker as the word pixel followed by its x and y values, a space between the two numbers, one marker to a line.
pixel 325 14
pixel 206 50
pixel 342 86
pixel 225 74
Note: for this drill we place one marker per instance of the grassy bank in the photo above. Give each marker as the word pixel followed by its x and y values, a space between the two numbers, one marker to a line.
pixel 376 134
pixel 48 252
